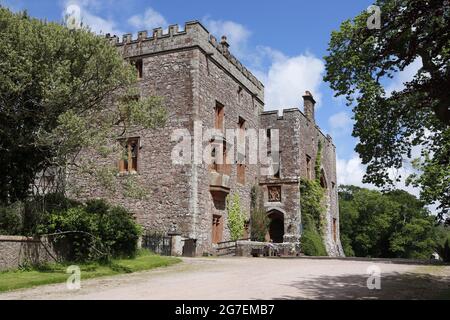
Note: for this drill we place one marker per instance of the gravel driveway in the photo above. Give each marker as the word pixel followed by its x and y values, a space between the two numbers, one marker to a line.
pixel 258 278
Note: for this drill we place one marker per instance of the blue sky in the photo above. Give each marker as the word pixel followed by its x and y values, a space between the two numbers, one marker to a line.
pixel 283 43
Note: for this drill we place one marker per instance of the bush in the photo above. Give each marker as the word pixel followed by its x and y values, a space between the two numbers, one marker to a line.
pixel 11 219
pixel 312 210
pixel 236 218
pixel 312 244
pixel 93 231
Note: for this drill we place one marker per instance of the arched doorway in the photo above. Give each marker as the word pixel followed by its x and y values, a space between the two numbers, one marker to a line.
pixel 276 226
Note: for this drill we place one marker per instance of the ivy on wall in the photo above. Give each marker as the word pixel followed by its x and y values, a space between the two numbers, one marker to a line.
pixel 312 211
pixel 236 217
pixel 259 221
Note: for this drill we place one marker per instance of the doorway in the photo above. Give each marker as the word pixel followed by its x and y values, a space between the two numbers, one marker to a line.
pixel 276 226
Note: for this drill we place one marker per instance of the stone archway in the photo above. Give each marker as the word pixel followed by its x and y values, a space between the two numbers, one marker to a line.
pixel 276 226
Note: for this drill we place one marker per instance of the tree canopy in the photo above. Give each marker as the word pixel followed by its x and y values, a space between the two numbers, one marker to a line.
pixel 389 125
pixel 391 225
pixel 55 84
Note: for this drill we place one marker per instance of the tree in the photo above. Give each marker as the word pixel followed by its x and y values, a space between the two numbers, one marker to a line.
pixel 388 126
pixel 391 225
pixel 61 91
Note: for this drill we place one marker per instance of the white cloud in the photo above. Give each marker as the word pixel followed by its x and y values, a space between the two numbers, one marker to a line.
pixel 237 34
pixel 351 172
pixel 340 123
pixel 289 77
pixel 149 20
pixel 96 23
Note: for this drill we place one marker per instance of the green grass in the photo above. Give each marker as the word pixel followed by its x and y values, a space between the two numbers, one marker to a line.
pixel 56 273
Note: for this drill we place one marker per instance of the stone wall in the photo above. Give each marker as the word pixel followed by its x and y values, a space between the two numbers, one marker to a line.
pixel 191 71
pixel 16 251
pixel 299 139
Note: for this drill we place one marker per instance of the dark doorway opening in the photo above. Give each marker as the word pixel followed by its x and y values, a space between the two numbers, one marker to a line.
pixel 276 227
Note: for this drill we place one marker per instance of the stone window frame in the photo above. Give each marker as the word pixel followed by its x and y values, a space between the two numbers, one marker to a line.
pixel 139 65
pixel 241 167
pixel 131 158
pixel 308 167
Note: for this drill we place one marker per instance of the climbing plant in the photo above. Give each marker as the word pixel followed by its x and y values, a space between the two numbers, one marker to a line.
pixel 236 217
pixel 259 221
pixel 312 211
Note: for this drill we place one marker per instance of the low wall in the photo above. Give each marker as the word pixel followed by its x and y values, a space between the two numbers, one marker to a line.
pixel 247 248
pixel 16 251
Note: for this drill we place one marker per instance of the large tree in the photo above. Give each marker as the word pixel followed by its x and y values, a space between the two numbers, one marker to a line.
pixel 390 225
pixel 389 125
pixel 55 85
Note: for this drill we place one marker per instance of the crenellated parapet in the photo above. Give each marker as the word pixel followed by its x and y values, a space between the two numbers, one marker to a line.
pixel 194 34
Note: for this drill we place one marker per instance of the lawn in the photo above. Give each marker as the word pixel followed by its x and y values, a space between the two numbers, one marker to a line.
pixel 56 273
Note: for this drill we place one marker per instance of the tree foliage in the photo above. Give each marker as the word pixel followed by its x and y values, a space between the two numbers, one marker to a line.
pixel 92 231
pixel 388 126
pixel 391 225
pixel 55 86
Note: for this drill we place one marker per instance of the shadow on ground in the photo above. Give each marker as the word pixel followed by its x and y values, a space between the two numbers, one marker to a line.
pixel 394 286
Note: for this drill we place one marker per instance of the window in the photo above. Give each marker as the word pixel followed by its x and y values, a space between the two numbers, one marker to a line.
pixel 130 155
pixel 241 152
pixel 139 67
pixel 219 116
pixel 334 229
pixel 308 167
pixel 217 229
pixel 239 95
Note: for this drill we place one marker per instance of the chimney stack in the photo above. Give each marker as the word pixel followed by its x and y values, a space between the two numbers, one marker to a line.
pixel 309 104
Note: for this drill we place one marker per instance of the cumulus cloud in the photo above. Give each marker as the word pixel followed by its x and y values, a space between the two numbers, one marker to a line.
pixel 236 33
pixel 148 20
pixel 351 172
pixel 96 23
pixel 340 123
pixel 288 78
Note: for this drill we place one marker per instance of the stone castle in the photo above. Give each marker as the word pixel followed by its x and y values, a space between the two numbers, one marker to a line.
pixel 202 82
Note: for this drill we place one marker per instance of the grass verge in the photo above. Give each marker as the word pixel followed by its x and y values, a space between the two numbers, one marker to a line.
pixel 56 273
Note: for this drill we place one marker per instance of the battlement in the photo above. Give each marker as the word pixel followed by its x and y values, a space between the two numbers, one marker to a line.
pixel 193 34
pixel 291 114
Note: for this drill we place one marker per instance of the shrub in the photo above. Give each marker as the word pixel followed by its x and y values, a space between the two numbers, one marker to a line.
pixel 11 219
pixel 236 218
pixel 93 231
pixel 312 244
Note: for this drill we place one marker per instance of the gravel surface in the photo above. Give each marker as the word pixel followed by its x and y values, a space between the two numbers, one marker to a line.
pixel 258 278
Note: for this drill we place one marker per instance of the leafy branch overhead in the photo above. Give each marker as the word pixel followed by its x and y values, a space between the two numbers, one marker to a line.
pixel 389 125
pixel 57 96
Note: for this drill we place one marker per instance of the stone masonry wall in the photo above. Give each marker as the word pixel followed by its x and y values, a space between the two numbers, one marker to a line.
pixel 299 138
pixel 16 251
pixel 191 71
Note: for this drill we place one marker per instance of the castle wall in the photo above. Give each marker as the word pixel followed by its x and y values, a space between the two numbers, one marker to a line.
pixel 300 137
pixel 192 71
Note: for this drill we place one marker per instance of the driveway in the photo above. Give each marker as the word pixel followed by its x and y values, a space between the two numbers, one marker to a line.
pixel 258 278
